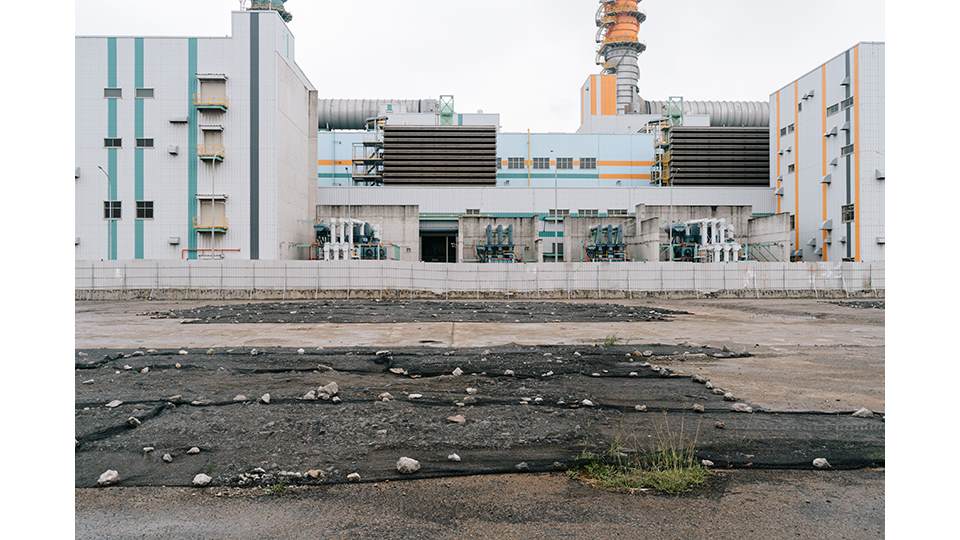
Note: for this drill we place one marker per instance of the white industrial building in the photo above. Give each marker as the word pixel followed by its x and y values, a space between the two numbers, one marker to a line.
pixel 828 157
pixel 195 147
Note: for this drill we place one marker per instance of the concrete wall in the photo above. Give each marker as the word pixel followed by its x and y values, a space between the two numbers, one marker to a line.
pixel 576 234
pixel 473 231
pixel 648 240
pixel 769 236
pixel 399 226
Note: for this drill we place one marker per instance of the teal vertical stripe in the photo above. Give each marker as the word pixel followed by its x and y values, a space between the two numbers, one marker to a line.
pixel 112 152
pixel 192 145
pixel 138 152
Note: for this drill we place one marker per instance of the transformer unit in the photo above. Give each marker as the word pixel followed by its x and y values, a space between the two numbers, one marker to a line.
pixel 499 246
pixel 347 239
pixel 606 244
pixel 704 240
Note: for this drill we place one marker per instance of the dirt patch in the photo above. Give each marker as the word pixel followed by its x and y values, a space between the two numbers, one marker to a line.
pixel 862 304
pixel 395 311
pixel 534 419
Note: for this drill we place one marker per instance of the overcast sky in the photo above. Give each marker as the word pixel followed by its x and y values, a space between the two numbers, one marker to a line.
pixel 526 59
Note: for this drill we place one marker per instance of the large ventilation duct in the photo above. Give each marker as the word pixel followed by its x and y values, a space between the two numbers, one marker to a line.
pixel 354 113
pixel 722 113
pixel 618 35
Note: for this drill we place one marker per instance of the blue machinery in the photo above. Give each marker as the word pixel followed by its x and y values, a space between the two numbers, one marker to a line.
pixel 499 246
pixel 606 244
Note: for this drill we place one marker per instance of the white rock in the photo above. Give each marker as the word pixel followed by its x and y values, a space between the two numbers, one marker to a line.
pixel 133 421
pixel 700 379
pixel 577 353
pixel 706 463
pixel 398 371
pixel 414 396
pixel 265 398
pixel 137 353
pixel 457 419
pixel 729 397
pixel 239 397
pixel 821 463
pixel 453 457
pixel 147 449
pixel 386 396
pixel 330 389
pixel 472 391
pixel 310 396
pixel 457 372
pixel 177 365
pixel 640 408
pixel 145 370
pixel 522 466
pixel 863 413
pixel 127 367
pixel 201 480
pixel 742 407
pixel 353 477
pixel 108 478
pixel 210 351
pixel 407 465
pixel 648 354
pixel 587 403
pixel 594 374
pixel 548 374
pixel 708 385
pixel 634 374
pixel 114 404
pixel 193 450
pixel 698 408
pixel 335 399
pixel 167 458
pixel 254 352
pixel 508 372
pixel 182 352
pixel 81 354
pixel 88 381
pixel 382 353
pixel 301 351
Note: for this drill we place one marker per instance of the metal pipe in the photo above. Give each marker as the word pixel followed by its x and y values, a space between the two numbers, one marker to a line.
pixel 722 113
pixel 354 113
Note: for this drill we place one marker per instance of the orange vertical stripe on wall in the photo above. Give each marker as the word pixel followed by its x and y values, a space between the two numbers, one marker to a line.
pixel 608 105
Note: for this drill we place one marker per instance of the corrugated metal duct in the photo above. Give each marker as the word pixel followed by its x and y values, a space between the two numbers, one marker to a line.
pixel 722 113
pixel 353 113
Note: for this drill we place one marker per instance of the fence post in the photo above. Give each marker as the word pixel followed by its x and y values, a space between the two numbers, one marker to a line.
pixel 446 281
pixel 253 278
pixel 599 294
pixel 316 293
pixel 222 295
pixel 284 280
pixel 93 276
pixel 123 282
pixel 696 289
pixel 189 279
pixel 784 279
pixel 158 275
pixel 756 289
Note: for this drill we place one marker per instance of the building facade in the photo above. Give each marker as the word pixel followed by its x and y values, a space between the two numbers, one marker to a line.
pixel 827 161
pixel 194 147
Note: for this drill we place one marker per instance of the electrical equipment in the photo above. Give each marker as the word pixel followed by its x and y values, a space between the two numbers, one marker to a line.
pixel 499 246
pixel 606 244
pixel 704 240
pixel 347 239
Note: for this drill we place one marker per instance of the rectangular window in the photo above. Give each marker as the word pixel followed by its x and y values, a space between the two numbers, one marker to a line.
pixel 144 143
pixel 111 209
pixel 588 163
pixel 473 211
pixel 617 212
pixel 846 150
pixel 113 93
pixel 833 109
pixel 849 213
pixel 588 212
pixel 847 103
pixel 541 163
pixel 144 209
pixel 515 163
pixel 791 128
pixel 791 168
pixel 110 142
pixel 561 212
pixel 144 93
pixel 783 132
pixel 565 163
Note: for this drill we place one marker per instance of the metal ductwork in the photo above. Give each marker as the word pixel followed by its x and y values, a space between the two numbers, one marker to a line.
pixel 354 113
pixel 722 113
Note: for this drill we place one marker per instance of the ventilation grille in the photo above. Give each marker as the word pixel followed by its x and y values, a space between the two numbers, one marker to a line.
pixel 454 155
pixel 719 156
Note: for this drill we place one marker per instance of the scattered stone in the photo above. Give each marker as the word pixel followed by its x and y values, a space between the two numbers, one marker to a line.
pixel 147 449
pixel 587 403
pixel 457 419
pixel 720 425
pixel 640 408
pixel 398 371
pixel 634 374
pixel 699 379
pixel 472 391
pixel 386 396
pixel 127 367
pixel 193 450
pixel 177 365
pixel 821 463
pixel 382 353
pixel 133 422
pixel 81 354
pixel 314 473
pixel 664 372
pixel 508 372
pixel 145 370
pixel 239 397
pixel 522 466
pixel 697 407
pixel 210 351
pixel 414 396
pixel 88 381
pixel 708 385
pixel 167 458
pixel 718 391
pixel 863 413
pixel 706 463
pixel 201 480
pixel 647 354
pixel 137 353
pixel 453 457
pixel 407 465
pixel 729 397
pixel 548 374
pixel 254 352
pixel 382 432
pixel 353 477
pixel 468 400
pixel 742 407
pixel 594 374
pixel 328 391
pixel 301 351
pixel 108 478
pixel 114 404
pixel 182 352
pixel 335 399
pixel 457 372
pixel 265 398
pixel 577 354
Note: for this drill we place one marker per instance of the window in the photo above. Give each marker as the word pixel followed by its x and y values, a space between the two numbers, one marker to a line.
pixel 561 212
pixel 565 163
pixel 800 107
pixel 617 212
pixel 144 209
pixel 473 211
pixel 111 209
pixel 847 103
pixel 515 163
pixel 111 142
pixel 846 150
pixel 833 109
pixel 144 143
pixel 113 93
pixel 588 163
pixel 588 212
pixel 541 163
pixel 791 128
pixel 791 168
pixel 144 93
pixel 849 213
pixel 783 132
pixel 555 254
pixel 499 163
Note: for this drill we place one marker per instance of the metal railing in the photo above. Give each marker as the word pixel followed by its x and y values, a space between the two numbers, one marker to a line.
pixel 237 278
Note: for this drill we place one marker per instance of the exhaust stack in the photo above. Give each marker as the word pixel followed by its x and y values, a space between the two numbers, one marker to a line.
pixel 618 36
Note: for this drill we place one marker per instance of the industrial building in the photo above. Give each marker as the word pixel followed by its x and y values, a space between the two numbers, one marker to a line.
pixel 235 155
pixel 828 157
